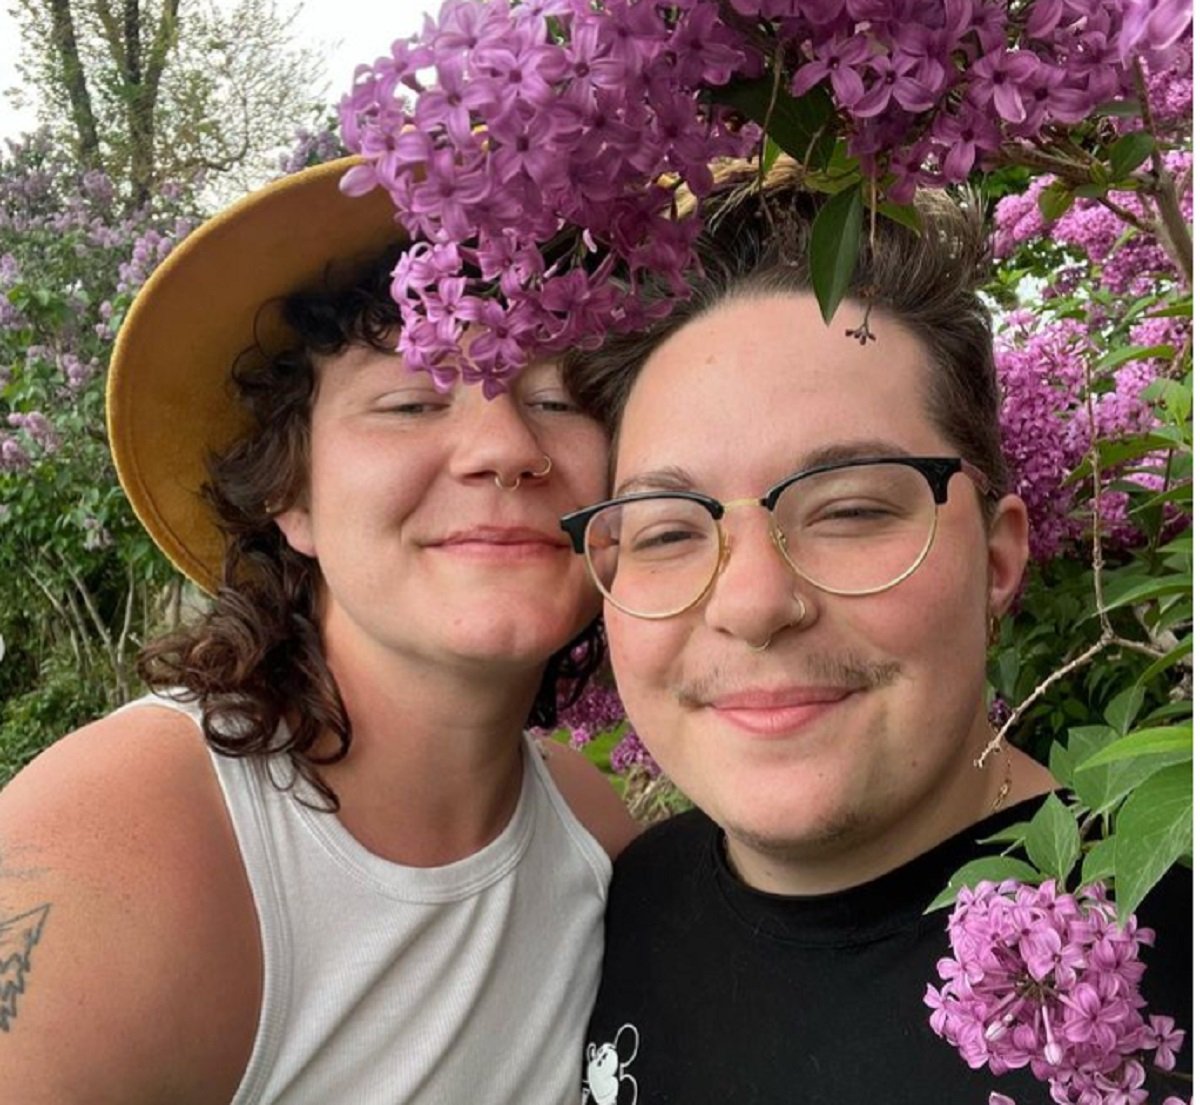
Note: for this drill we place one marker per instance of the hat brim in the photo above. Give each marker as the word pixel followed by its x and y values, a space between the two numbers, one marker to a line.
pixel 170 398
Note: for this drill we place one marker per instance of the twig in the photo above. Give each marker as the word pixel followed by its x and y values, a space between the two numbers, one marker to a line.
pixel 1177 235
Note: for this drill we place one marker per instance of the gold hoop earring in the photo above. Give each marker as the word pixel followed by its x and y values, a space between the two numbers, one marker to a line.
pixel 507 486
pixel 544 472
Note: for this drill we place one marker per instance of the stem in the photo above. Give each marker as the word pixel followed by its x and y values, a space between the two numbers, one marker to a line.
pixel 1176 235
pixel 1106 629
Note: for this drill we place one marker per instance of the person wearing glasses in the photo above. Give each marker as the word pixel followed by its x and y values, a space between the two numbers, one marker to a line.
pixel 324 862
pixel 809 544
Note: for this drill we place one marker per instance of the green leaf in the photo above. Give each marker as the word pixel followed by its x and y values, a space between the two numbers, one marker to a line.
pixel 1154 828
pixel 1183 308
pixel 1054 200
pixel 1184 543
pixel 796 125
pixel 1123 710
pixel 1128 152
pixel 833 249
pixel 1120 450
pixel 1177 655
pixel 1052 842
pixel 1135 353
pixel 1159 740
pixel 1099 861
pixel 1129 108
pixel 1130 592
pixel 905 214
pixel 987 868
pixel 770 154
pixel 1013 834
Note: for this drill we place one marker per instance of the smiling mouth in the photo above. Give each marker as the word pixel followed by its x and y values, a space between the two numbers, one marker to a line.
pixel 503 543
pixel 778 713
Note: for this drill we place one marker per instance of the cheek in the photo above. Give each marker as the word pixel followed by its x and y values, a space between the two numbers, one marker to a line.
pixel 643 657
pixel 584 463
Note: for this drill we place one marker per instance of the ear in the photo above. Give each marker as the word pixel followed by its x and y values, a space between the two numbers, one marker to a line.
pixel 1008 552
pixel 295 524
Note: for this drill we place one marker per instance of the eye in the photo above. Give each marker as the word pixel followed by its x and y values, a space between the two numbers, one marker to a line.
pixel 411 404
pixel 552 401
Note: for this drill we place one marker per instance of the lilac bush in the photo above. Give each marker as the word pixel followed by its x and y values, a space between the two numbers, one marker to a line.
pixel 78 578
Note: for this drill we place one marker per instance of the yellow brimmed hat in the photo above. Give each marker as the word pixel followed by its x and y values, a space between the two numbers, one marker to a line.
pixel 170 398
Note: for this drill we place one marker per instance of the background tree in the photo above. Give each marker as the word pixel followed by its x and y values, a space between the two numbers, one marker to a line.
pixel 151 91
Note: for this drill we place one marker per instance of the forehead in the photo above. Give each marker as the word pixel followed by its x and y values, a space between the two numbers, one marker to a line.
pixel 754 387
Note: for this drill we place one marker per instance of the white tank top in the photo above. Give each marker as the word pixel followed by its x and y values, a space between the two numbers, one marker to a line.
pixel 469 984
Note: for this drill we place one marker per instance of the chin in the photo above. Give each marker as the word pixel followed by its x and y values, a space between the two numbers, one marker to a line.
pixel 796 825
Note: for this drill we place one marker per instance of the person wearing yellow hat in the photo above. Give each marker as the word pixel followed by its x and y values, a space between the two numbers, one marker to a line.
pixel 322 862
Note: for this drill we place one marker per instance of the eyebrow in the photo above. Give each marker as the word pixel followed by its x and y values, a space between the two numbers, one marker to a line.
pixel 674 478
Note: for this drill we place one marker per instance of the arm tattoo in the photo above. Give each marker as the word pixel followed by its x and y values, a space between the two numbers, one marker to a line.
pixel 18 937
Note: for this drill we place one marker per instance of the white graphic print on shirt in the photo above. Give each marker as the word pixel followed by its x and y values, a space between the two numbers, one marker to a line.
pixel 608 1080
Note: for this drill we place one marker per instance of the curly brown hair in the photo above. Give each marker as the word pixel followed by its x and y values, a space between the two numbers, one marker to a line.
pixel 254 661
pixel 756 242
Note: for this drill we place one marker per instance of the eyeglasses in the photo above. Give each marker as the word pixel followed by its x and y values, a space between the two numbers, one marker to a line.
pixel 857 527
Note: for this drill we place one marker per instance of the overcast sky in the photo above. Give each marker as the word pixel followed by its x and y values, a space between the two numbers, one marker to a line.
pixel 351 31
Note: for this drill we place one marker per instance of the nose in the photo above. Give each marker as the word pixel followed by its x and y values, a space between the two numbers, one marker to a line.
pixel 499 443
pixel 756 595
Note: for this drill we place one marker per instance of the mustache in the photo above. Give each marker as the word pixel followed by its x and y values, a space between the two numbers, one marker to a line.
pixel 843 671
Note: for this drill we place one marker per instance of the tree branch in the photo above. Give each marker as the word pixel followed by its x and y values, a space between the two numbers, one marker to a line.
pixel 66 46
pixel 1176 236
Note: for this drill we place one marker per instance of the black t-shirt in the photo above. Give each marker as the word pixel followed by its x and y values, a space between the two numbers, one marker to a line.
pixel 714 992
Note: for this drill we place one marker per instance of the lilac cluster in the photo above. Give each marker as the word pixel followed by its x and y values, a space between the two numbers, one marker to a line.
pixel 34 436
pixel 533 149
pixel 629 752
pixel 1046 428
pixel 1051 981
pixel 546 124
pixel 1040 369
pixel 311 148
pixel 599 710
pixel 1125 262
pixel 72 253
pixel 150 249
pixel 595 711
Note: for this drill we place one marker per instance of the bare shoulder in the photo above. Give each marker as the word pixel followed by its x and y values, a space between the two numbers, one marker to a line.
pixel 123 906
pixel 591 797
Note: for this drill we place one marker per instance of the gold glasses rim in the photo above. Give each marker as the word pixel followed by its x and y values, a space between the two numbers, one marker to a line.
pixel 939 469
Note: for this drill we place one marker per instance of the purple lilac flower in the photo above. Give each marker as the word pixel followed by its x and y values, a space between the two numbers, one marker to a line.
pixel 494 123
pixel 596 711
pixel 1042 979
pixel 629 753
pixel 38 429
pixel 12 457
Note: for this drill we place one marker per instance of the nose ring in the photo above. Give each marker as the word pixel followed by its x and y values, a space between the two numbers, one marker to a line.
pixel 541 474
pixel 798 620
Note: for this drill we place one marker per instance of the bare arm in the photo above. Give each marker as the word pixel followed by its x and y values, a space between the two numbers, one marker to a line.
pixel 124 946
pixel 591 797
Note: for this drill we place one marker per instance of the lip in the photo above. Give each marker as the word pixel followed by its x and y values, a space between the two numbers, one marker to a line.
pixel 778 712
pixel 501 541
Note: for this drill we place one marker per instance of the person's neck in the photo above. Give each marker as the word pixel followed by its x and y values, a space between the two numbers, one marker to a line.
pixel 1007 777
pixel 434 770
